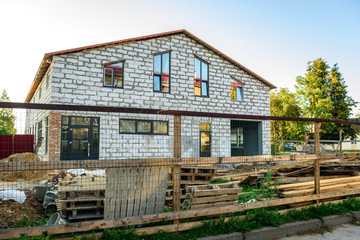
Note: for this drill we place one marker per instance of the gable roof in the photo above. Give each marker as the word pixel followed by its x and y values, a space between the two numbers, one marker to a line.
pixel 46 61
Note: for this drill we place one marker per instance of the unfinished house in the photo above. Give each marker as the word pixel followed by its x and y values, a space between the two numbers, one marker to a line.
pixel 171 71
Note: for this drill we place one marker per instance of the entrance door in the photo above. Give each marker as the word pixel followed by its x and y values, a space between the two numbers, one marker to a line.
pixel 79 138
pixel 205 140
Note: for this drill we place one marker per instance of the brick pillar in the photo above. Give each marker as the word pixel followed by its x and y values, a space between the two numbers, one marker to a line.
pixel 54 136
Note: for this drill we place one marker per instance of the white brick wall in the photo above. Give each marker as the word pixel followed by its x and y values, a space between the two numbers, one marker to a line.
pixel 33 117
pixel 77 78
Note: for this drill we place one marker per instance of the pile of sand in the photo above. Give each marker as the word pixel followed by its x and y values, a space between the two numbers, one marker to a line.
pixel 22 157
pixel 23 175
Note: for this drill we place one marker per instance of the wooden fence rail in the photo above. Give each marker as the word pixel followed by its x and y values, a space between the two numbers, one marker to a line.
pixel 129 221
pixel 150 162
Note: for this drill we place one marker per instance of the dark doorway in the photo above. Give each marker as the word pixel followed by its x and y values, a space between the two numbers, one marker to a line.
pixel 79 138
pixel 205 140
pixel 246 138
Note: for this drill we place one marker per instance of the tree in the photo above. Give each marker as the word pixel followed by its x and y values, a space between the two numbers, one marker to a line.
pixel 283 103
pixel 7 118
pixel 323 94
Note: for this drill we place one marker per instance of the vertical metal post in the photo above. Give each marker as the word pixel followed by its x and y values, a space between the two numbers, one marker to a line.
pixel 176 171
pixel 305 147
pixel 275 143
pixel 316 161
pixel 340 141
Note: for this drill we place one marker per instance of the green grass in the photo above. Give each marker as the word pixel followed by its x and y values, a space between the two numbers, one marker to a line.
pixel 219 181
pixel 345 151
pixel 284 153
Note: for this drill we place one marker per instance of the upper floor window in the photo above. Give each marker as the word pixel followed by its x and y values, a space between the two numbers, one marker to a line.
pixel 236 90
pixel 201 78
pixel 114 74
pixel 162 72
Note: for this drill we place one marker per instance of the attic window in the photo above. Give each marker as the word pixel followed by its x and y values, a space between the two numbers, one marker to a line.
pixel 236 90
pixel 114 74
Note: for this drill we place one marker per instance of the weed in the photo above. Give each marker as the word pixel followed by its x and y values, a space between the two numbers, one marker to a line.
pixel 263 191
pixel 219 181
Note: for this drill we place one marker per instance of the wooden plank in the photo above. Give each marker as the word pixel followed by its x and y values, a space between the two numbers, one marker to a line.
pixel 220 198
pixel 161 189
pixel 145 192
pixel 138 190
pixel 124 192
pixel 297 172
pixel 150 204
pixel 323 189
pixel 84 164
pixel 176 170
pixel 324 182
pixel 129 221
pixel 131 192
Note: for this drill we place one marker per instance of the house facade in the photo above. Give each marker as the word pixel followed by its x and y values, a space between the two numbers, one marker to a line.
pixel 169 71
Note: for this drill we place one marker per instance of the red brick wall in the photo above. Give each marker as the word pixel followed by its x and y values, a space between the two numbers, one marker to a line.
pixel 54 143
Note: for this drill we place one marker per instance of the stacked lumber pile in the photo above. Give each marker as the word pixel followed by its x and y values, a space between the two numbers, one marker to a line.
pixel 243 178
pixel 81 198
pixel 304 171
pixel 190 176
pixel 204 196
pixel 326 185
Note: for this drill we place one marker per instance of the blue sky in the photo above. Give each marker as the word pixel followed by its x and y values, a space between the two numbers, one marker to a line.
pixel 275 39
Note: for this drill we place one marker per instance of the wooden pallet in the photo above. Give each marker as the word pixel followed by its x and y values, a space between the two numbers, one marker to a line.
pixel 190 176
pixel 81 208
pixel 82 200
pixel 211 195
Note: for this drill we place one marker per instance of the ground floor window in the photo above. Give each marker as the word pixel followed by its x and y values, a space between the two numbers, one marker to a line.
pixel 135 126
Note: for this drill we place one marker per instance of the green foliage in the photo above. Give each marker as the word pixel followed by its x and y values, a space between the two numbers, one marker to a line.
pixel 24 222
pixel 219 181
pixel 283 103
pixel 7 118
pixel 261 191
pixel 322 93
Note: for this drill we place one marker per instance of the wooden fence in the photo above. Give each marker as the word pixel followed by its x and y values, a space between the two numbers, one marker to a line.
pixel 176 215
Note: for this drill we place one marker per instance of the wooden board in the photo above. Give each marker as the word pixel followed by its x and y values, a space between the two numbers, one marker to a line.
pixel 135 191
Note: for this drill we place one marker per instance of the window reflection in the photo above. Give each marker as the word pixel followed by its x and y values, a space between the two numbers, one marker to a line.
pixel 160 127
pixel 162 72
pixel 201 77
pixel 236 91
pixel 144 126
pixel 114 74
pixel 132 126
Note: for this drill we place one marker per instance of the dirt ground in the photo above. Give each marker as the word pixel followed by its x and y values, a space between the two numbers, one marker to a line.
pixel 11 212
pixel 342 232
